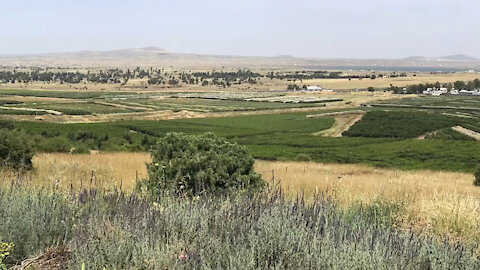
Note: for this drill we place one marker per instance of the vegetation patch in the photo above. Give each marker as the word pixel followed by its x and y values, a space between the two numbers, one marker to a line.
pixel 401 124
pixel 448 134
pixel 199 165
pixel 241 232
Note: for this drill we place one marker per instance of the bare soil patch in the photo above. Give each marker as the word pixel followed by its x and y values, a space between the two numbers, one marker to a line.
pixel 343 122
pixel 467 132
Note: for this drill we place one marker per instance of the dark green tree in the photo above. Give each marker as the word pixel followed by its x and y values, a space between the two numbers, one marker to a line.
pixel 203 164
pixel 16 150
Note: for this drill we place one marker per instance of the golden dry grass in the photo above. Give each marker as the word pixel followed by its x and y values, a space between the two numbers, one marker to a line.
pixel 441 203
pixel 399 81
pixel 102 170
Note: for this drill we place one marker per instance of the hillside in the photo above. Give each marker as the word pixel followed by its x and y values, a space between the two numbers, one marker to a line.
pixel 158 57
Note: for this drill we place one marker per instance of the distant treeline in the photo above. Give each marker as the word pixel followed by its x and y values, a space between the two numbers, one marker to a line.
pixel 419 88
pixel 119 76
pixel 305 75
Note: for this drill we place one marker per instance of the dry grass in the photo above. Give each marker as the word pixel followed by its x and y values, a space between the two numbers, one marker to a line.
pixel 442 203
pixel 103 170
pixel 385 82
pixel 438 202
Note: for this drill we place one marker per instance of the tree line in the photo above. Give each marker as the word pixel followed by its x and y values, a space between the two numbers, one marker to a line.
pixel 419 88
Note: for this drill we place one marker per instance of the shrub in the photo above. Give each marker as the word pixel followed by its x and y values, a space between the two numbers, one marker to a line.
pixel 304 157
pixel 194 165
pixel 56 144
pixel 81 149
pixel 5 249
pixel 15 150
pixel 476 182
pixel 115 230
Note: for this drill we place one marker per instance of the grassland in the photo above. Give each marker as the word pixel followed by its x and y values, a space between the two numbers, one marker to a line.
pixel 435 203
pixel 119 231
pixel 382 83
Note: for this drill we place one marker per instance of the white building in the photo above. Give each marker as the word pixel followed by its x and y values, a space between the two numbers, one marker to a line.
pixel 469 93
pixel 314 88
pixel 436 91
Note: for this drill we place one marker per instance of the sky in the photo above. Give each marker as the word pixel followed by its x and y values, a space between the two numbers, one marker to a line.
pixel 303 28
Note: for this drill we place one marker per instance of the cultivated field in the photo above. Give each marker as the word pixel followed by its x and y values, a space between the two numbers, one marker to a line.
pixel 421 78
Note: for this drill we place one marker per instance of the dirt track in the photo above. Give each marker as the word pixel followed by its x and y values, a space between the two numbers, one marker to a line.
pixel 467 132
pixel 343 122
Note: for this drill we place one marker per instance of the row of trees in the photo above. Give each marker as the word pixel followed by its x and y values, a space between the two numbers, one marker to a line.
pixel 305 75
pixel 118 76
pixel 159 76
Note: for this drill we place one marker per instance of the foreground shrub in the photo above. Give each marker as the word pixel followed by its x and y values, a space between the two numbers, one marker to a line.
pixel 15 150
pixel 200 164
pixel 477 178
pixel 5 249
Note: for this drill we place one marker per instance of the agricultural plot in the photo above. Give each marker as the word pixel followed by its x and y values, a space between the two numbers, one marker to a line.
pixel 212 105
pixel 79 108
pixel 269 137
pixel 441 101
pixel 58 94
pixel 85 103
pixel 404 124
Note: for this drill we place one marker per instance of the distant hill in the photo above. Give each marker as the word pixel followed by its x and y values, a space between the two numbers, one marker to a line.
pixel 454 58
pixel 459 57
pixel 158 57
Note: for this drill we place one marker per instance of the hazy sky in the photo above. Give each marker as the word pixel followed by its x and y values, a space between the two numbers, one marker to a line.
pixel 334 28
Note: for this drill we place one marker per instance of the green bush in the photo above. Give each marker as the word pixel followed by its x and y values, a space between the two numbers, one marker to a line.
pixel 81 149
pixel 5 249
pixel 477 178
pixel 15 150
pixel 194 165
pixel 56 144
pixel 304 157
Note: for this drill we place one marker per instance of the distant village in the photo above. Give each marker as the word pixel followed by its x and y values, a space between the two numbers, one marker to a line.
pixel 444 91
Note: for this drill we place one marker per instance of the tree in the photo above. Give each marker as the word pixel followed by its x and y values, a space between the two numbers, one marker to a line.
pixel 459 85
pixel 476 84
pixel 15 150
pixel 194 165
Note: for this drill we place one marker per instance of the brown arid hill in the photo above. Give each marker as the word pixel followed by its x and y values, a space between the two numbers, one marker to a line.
pixel 157 57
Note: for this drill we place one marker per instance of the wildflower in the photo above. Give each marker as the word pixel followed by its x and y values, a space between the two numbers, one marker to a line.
pixel 182 257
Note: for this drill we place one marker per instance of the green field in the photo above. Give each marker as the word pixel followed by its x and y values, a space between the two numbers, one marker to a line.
pixel 212 105
pixel 74 108
pixel 59 94
pixel 405 123
pixel 174 101
pixel 272 137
